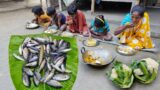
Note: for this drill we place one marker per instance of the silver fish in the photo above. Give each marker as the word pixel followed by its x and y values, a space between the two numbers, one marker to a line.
pixel 53 47
pixel 68 71
pixel 41 54
pixel 38 47
pixel 65 50
pixel 26 79
pixel 25 53
pixel 45 76
pixel 57 68
pixel 60 61
pixel 34 42
pixel 48 48
pixel 18 57
pixel 26 40
pixel 62 67
pixel 34 58
pixel 28 71
pixel 60 43
pixel 60 70
pixel 36 80
pixel 37 74
pixel 61 77
pixel 34 48
pixel 49 66
pixel 42 65
pixel 65 45
pixel 54 83
pixel 31 64
pixel 49 76
pixel 20 49
pixel 54 53
pixel 41 40
pixel 33 51
pixel 31 45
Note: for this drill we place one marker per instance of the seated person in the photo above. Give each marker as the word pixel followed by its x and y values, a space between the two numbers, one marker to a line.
pixel 135 29
pixel 58 19
pixel 99 28
pixel 41 18
pixel 76 20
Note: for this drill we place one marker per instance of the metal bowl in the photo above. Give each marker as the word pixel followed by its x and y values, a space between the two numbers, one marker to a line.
pixel 32 25
pixel 51 31
pixel 98 57
pixel 126 50
pixel 85 43
pixel 67 34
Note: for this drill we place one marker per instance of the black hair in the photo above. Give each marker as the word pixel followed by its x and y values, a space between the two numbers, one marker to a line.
pixel 51 11
pixel 99 21
pixel 37 10
pixel 72 9
pixel 138 9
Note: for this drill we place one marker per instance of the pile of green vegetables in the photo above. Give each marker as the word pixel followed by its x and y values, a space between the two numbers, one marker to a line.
pixel 144 71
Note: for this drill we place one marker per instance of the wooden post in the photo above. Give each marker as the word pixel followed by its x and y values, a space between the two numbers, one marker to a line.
pixel 135 2
pixel 60 5
pixel 92 6
pixel 41 3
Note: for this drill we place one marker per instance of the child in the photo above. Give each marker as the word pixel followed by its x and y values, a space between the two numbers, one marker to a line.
pixel 59 19
pixel 76 20
pixel 41 18
pixel 99 28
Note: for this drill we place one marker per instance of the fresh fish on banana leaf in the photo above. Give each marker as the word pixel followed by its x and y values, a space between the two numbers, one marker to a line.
pixel 61 77
pixel 18 57
pixel 26 79
pixel 55 83
pixel 45 61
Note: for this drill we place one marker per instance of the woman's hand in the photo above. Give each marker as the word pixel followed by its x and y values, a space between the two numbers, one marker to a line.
pixel 131 25
pixel 123 28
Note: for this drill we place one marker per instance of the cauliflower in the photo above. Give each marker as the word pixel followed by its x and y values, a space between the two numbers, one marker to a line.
pixel 121 75
pixel 126 68
pixel 151 65
pixel 114 74
pixel 145 70
pixel 138 71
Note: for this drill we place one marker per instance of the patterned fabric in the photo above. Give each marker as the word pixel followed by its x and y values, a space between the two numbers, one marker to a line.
pixel 139 36
pixel 44 20
pixel 60 19
pixel 79 23
pixel 100 30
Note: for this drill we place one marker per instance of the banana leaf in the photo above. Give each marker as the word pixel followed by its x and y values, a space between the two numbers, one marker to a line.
pixel 16 65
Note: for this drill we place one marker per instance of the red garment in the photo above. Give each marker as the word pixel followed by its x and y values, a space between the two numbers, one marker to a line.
pixel 79 24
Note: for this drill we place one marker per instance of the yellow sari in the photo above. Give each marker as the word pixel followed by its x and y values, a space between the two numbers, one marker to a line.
pixel 139 36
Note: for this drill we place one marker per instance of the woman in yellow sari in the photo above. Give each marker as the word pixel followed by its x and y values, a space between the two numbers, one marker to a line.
pixel 135 29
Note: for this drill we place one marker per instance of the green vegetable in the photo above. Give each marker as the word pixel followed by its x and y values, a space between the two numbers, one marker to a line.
pixel 16 66
pixel 149 69
pixel 121 75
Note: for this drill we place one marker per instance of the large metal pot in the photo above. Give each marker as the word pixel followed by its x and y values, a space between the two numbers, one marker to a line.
pixel 97 57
